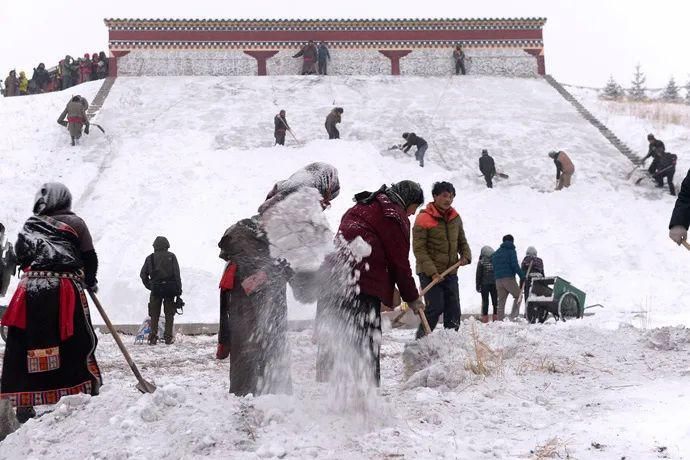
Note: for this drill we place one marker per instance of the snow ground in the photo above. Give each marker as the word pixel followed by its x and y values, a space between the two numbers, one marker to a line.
pixel 187 157
pixel 552 388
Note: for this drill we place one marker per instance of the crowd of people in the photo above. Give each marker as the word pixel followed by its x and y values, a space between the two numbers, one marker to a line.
pixel 67 73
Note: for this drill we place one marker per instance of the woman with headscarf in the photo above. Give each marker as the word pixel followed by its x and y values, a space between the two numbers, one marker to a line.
pixel 253 289
pixel 51 342
pixel 373 244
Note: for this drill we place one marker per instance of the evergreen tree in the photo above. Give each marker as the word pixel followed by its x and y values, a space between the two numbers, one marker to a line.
pixel 671 92
pixel 638 89
pixel 612 91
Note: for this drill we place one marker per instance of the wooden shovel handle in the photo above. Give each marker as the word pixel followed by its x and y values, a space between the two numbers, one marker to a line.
pixel 686 244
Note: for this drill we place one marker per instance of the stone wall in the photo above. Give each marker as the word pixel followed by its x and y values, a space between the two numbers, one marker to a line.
pixel 344 61
pixel 186 63
pixel 498 61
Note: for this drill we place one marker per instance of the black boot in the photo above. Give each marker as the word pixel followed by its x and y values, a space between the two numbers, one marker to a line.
pixel 25 413
pixel 74 142
pixel 153 339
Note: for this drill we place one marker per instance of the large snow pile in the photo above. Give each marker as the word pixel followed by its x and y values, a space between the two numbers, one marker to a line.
pixel 187 157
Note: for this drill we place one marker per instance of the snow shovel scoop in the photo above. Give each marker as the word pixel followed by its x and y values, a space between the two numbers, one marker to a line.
pixel 143 385
pixel 422 316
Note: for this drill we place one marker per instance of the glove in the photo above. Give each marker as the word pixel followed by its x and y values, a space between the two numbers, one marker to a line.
pixel 678 234
pixel 86 129
pixel 417 305
pixel 94 287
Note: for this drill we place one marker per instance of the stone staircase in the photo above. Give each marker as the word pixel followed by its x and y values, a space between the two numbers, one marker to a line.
pixel 587 115
pixel 100 98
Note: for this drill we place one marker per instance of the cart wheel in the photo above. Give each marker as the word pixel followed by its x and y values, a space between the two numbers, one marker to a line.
pixel 531 313
pixel 542 315
pixel 569 307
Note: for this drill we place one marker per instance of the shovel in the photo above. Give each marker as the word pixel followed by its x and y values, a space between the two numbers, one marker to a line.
pixel 422 316
pixel 143 385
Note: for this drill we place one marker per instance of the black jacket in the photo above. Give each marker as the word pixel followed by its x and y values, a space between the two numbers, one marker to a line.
pixel 681 212
pixel 161 266
pixel 413 139
pixel 485 273
pixel 667 163
pixel 280 123
pixel 487 165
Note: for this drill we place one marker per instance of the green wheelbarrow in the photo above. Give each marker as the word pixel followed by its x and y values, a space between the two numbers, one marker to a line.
pixel 556 296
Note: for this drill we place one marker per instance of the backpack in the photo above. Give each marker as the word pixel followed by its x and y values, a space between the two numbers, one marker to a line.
pixel 163 282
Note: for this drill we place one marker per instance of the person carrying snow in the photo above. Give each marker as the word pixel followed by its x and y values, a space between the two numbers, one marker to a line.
pixel 334 117
pixel 680 218
pixel 487 167
pixel 160 274
pixel 535 266
pixel 506 267
pixel 564 169
pixel 51 342
pixel 486 283
pixel 254 285
pixel 419 142
pixel 438 242
pixel 75 112
pixel 309 54
pixel 666 167
pixel 371 259
pixel 281 127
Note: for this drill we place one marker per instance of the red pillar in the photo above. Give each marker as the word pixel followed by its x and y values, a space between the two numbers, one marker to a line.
pixel 394 56
pixel 261 58
pixel 112 62
pixel 539 55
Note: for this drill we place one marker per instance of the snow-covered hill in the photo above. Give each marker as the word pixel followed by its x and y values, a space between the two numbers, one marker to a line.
pixel 186 157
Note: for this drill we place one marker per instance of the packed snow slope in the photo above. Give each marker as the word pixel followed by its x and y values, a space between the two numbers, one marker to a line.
pixel 187 157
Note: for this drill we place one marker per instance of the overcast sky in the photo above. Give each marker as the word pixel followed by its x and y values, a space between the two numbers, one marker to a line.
pixel 585 40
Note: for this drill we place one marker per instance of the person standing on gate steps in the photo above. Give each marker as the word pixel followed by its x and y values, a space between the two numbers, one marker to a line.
pixel 161 275
pixel 334 117
pixel 564 169
pixel 324 56
pixel 680 219
pixel 486 283
pixel 419 142
pixel 487 167
pixel 309 54
pixel 281 127
pixel 506 267
pixel 459 58
pixel 438 242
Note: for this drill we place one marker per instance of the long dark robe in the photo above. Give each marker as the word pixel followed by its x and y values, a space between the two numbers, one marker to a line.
pixel 51 341
pixel 257 323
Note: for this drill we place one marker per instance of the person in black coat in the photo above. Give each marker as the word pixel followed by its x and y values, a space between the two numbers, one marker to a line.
pixel 487 167
pixel 680 219
pixel 281 127
pixel 419 142
pixel 666 167
pixel 651 153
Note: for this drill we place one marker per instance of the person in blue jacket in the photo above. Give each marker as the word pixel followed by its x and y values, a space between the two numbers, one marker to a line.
pixel 506 266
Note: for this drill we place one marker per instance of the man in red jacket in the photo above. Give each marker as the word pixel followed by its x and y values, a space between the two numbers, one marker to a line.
pixel 373 247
